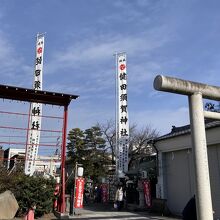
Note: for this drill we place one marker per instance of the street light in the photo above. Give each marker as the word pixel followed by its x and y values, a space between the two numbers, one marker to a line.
pixel 80 171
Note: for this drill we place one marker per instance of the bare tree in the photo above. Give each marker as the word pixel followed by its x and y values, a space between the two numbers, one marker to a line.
pixel 140 141
pixel 139 144
pixel 108 130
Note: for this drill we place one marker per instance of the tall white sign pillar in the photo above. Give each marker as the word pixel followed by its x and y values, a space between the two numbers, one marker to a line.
pixel 35 113
pixel 122 120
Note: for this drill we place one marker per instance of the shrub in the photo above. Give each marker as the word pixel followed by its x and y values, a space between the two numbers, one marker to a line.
pixel 29 191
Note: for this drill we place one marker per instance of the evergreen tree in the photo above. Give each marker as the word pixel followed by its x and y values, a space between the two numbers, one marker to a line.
pixel 93 139
pixel 88 148
pixel 98 158
pixel 76 145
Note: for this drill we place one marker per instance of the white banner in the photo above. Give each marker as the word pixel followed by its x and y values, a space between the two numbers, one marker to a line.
pixel 123 122
pixel 35 112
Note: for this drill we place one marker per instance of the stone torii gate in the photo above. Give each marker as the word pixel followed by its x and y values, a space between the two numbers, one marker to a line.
pixel 196 92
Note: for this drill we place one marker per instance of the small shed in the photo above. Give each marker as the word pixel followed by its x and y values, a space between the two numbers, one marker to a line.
pixel 176 176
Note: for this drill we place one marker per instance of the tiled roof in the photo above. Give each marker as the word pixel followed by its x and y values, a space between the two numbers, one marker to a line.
pixel 177 131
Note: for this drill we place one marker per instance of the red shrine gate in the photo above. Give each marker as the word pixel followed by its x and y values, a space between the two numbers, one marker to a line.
pixel 48 98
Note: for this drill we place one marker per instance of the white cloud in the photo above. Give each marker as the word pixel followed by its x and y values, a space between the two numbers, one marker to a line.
pixel 83 115
pixel 13 67
pixel 7 57
pixel 143 73
pixel 140 10
pixel 162 119
pixel 101 48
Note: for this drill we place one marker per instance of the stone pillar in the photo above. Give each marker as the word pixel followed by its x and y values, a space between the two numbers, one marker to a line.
pixel 160 194
pixel 140 190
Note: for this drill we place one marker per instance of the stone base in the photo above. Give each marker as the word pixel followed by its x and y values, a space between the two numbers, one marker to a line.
pixel 60 215
pixel 66 215
pixel 160 206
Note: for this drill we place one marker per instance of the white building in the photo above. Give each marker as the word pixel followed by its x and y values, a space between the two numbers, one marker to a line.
pixel 47 164
pixel 11 152
pixel 44 164
pixel 176 178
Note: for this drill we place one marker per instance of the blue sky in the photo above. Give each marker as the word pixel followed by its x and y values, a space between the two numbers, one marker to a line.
pixel 179 38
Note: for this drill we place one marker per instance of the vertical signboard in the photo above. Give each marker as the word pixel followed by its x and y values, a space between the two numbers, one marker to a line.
pixel 122 119
pixel 104 194
pixel 33 136
pixel 78 202
pixel 147 193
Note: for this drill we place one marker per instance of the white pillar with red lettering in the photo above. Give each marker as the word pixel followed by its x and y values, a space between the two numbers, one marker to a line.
pixel 35 114
pixel 122 122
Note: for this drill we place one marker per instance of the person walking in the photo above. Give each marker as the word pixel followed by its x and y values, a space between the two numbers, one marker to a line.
pixel 119 196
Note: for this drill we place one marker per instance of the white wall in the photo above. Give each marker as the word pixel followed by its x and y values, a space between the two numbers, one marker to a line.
pixel 176 170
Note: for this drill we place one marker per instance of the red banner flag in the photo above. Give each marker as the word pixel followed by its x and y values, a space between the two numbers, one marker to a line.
pixel 78 203
pixel 147 193
pixel 104 192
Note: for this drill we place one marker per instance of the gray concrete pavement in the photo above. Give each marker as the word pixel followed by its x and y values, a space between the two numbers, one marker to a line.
pixel 97 211
pixel 107 212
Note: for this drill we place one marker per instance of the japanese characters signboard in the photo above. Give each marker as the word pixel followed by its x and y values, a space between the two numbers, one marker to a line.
pixel 78 202
pixel 104 194
pixel 147 193
pixel 123 122
pixel 35 111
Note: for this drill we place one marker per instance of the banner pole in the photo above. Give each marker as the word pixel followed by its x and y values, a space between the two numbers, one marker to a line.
pixel 116 115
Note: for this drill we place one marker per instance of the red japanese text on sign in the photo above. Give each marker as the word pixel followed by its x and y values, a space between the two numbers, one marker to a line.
pixel 78 202
pixel 104 192
pixel 147 193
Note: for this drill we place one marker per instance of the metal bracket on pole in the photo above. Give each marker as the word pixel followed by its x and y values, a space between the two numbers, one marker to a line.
pixel 195 92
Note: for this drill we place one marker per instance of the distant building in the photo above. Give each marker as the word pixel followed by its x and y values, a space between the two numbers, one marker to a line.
pixel 10 153
pixel 17 162
pixel 45 165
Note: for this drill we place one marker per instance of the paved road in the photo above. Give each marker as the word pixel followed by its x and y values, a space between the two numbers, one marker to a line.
pixel 107 212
